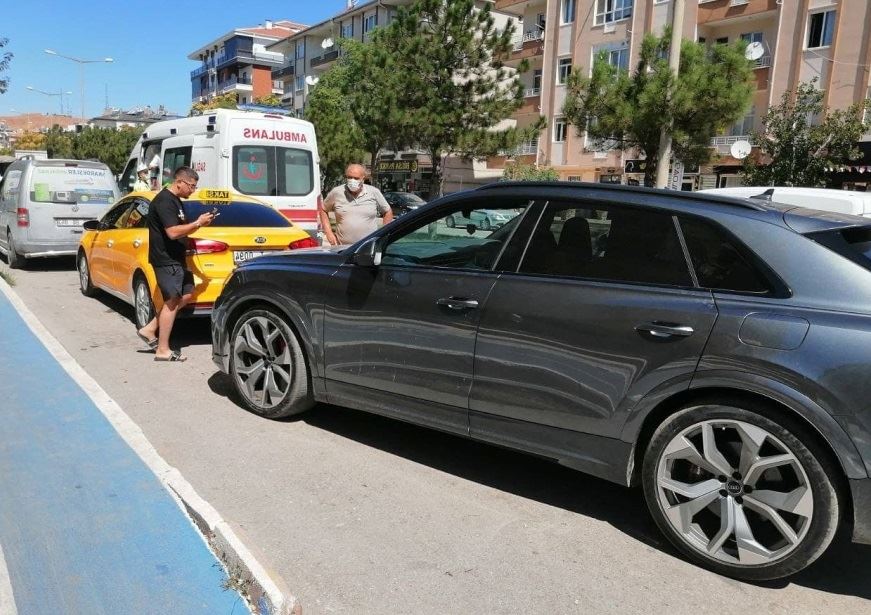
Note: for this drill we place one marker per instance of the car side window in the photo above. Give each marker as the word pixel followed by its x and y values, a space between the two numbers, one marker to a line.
pixel 720 261
pixel 11 184
pixel 606 242
pixel 135 217
pixel 113 219
pixel 470 236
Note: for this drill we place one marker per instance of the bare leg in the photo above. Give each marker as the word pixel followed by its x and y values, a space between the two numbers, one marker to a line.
pixel 166 319
pixel 149 330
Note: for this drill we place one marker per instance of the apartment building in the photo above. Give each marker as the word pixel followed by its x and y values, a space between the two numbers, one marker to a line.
pixel 801 39
pixel 239 62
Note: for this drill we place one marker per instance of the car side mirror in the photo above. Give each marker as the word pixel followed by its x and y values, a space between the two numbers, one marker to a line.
pixel 91 225
pixel 368 254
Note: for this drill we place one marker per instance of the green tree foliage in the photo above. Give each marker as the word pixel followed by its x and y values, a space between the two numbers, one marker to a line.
pixel 627 110
pixel 222 101
pixel 107 145
pixel 444 61
pixel 60 143
pixel 529 172
pixel 5 59
pixel 270 100
pixel 330 109
pixel 30 140
pixel 800 138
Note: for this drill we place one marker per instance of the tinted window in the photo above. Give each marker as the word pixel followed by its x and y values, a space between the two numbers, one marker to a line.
pixel 238 214
pixel 607 243
pixel 272 171
pixel 175 158
pixel 462 239
pixel 720 261
pixel 113 217
pixel 136 215
pixel 851 243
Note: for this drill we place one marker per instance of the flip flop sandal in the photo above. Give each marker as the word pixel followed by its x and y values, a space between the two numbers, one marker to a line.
pixel 175 356
pixel 151 343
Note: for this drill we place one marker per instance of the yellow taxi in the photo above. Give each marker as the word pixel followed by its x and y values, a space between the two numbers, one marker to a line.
pixel 113 252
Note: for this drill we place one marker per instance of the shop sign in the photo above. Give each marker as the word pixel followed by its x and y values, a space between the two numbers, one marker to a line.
pixel 396 166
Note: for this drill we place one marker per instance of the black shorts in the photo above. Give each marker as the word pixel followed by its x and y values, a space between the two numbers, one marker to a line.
pixel 174 281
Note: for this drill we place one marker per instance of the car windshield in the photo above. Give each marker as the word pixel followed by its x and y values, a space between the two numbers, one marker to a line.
pixel 237 213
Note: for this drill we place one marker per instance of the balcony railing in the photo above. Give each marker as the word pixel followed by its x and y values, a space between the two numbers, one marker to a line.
pixel 285 70
pixel 526 149
pixel 763 62
pixel 531 92
pixel 232 82
pixel 247 55
pixel 324 58
pixel 531 35
pixel 722 144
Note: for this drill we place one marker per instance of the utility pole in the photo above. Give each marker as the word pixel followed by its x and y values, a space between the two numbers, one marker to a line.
pixel 673 64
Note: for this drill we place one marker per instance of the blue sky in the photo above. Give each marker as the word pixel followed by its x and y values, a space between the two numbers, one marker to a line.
pixel 149 42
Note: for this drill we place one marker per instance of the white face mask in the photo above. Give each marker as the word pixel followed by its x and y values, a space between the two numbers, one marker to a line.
pixel 354 184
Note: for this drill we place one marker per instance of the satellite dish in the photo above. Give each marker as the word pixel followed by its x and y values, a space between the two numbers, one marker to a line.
pixel 327 42
pixel 312 80
pixel 740 149
pixel 754 51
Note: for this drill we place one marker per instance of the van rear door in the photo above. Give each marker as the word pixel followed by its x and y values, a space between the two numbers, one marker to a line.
pixel 63 195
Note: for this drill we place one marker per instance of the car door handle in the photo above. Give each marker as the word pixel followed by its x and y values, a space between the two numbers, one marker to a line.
pixel 457 303
pixel 137 243
pixel 110 243
pixel 664 330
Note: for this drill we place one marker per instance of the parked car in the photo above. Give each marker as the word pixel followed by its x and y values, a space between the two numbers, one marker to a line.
pixel 43 204
pixel 113 255
pixel 485 219
pixel 714 351
pixel 826 199
pixel 403 202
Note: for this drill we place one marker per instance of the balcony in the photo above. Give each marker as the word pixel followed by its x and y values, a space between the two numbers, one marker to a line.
pixel 722 144
pixel 201 70
pixel 719 11
pixel 530 45
pixel 325 58
pixel 285 70
pixel 516 7
pixel 531 104
pixel 531 92
pixel 234 83
pixel 763 62
pixel 248 56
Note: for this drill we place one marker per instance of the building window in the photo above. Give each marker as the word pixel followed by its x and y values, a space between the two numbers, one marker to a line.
pixel 821 29
pixel 723 40
pixel 536 80
pixel 300 83
pixel 369 23
pixel 348 30
pixel 560 129
pixel 300 50
pixel 574 178
pixel 618 57
pixel 568 11
pixel 752 37
pixel 563 70
pixel 608 11
pixel 744 126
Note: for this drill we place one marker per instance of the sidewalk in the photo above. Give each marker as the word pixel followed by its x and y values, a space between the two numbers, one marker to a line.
pixel 85 525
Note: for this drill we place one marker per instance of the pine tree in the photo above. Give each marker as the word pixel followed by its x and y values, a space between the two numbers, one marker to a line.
pixel 5 59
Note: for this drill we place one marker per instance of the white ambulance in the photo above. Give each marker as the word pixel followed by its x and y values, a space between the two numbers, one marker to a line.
pixel 267 155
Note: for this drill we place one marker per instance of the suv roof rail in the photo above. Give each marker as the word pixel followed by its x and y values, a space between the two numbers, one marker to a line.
pixel 756 205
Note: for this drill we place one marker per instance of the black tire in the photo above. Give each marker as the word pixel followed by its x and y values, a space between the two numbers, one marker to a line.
pixel 283 361
pixel 85 283
pixel 143 306
pixel 730 425
pixel 450 222
pixel 13 258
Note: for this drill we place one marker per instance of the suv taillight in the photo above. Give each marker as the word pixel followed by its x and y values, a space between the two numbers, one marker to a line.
pixel 307 242
pixel 206 246
pixel 23 217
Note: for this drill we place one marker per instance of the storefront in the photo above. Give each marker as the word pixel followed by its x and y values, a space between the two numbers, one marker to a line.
pixel 853 174
pixel 402 174
pixel 635 169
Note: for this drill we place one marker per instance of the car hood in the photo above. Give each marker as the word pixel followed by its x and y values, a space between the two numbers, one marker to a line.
pixel 324 255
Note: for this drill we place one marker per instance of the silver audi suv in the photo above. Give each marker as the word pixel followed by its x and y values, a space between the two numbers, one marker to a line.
pixel 714 351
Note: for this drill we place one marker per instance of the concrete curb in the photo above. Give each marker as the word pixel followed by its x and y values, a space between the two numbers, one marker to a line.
pixel 246 574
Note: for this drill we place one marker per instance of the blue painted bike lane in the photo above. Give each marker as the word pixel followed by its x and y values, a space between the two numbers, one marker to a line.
pixel 85 525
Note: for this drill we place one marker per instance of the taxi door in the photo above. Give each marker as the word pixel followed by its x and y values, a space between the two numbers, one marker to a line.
pixel 101 253
pixel 129 251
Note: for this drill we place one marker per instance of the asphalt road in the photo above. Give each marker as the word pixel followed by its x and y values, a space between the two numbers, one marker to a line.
pixel 361 514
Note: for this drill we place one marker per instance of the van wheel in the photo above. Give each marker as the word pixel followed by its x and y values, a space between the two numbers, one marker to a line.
pixel 268 366
pixel 85 284
pixel 142 304
pixel 740 490
pixel 15 260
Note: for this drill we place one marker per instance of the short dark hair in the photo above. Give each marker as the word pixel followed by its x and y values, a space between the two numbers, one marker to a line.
pixel 186 173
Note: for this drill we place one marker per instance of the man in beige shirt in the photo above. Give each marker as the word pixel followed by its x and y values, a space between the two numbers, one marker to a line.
pixel 357 207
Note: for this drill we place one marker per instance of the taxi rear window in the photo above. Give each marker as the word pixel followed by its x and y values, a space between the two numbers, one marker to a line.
pixel 237 213
pixel 853 243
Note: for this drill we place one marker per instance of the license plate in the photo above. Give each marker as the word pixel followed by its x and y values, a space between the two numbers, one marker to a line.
pixel 240 256
pixel 68 222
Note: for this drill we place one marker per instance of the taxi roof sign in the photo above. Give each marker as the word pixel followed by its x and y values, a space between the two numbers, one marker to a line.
pixel 214 196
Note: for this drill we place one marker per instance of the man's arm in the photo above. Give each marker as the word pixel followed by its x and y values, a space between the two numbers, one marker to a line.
pixel 183 230
pixel 384 208
pixel 324 216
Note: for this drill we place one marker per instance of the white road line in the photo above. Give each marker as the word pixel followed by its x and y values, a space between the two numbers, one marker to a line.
pixel 216 532
pixel 7 600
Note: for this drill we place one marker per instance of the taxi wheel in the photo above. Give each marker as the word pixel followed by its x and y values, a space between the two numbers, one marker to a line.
pixel 142 304
pixel 13 258
pixel 85 284
pixel 268 366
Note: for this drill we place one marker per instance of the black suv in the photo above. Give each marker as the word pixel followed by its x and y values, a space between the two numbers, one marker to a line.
pixel 714 351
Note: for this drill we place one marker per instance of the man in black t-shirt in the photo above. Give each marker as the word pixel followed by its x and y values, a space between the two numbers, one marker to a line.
pixel 167 230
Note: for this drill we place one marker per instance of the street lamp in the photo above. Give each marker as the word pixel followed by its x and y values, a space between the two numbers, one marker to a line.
pixel 81 64
pixel 60 93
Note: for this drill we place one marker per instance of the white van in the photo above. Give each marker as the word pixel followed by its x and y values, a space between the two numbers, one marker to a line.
pixel 44 203
pixel 270 156
pixel 825 199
